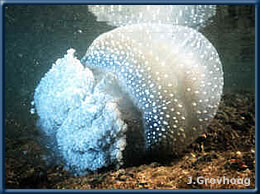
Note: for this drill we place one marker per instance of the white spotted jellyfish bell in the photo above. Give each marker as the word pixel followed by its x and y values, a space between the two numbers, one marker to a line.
pixel 169 71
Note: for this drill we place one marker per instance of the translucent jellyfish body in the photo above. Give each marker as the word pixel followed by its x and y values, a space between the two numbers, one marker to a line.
pixel 172 73
pixel 195 16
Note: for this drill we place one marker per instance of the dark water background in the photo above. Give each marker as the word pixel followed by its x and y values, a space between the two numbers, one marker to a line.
pixel 37 35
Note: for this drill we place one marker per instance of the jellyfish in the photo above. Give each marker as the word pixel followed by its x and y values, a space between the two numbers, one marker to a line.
pixel 172 73
pixel 168 72
pixel 194 16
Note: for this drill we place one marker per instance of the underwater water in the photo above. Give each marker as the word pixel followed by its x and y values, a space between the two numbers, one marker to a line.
pixel 36 36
